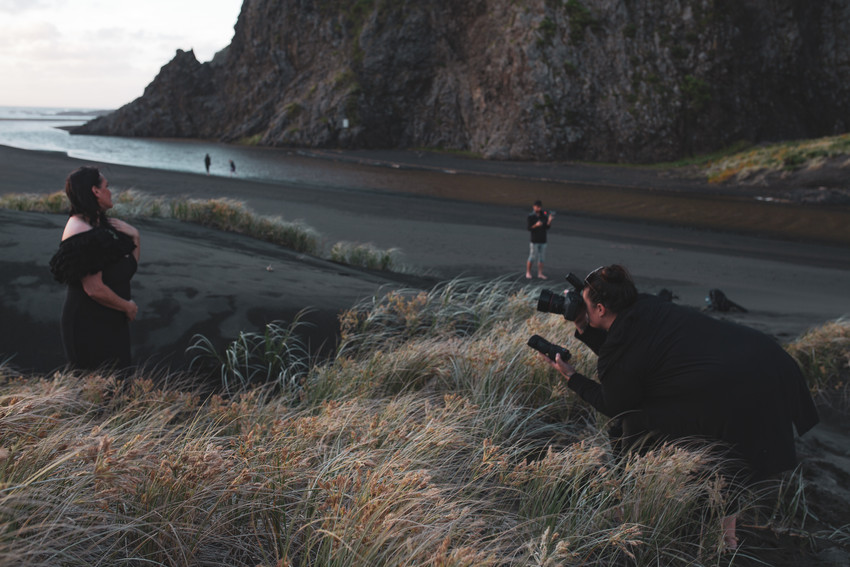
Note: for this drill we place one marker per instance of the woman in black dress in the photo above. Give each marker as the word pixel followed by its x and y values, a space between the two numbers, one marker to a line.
pixel 96 259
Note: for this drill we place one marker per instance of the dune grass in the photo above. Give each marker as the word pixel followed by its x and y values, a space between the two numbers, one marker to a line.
pixel 365 256
pixel 276 357
pixel 824 355
pixel 223 214
pixel 36 203
pixel 435 437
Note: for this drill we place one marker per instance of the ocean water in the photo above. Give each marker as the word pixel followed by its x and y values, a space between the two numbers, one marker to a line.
pixel 32 128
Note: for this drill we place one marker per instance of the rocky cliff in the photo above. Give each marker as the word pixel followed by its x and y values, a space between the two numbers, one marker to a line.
pixel 612 80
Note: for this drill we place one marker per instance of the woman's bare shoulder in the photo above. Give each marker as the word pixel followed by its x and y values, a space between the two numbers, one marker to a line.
pixel 75 225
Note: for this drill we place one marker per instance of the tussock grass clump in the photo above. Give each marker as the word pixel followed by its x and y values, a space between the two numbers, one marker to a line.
pixel 460 307
pixel 28 202
pixel 156 476
pixel 463 336
pixel 786 156
pixel 436 437
pixel 276 357
pixel 824 355
pixel 365 256
pixel 223 214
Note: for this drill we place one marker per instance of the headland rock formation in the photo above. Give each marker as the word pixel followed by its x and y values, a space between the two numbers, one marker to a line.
pixel 604 80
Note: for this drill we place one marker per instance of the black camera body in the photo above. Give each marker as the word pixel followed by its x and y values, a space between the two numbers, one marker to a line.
pixel 570 305
pixel 540 344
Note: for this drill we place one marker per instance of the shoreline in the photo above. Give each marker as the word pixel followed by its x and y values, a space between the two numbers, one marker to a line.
pixel 607 192
pixel 442 238
pixel 670 232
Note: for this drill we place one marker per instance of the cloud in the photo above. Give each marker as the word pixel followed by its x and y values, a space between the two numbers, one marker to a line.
pixel 16 7
pixel 25 41
pixel 58 48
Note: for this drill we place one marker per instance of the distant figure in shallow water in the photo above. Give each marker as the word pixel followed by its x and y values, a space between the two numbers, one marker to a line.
pixel 232 168
pixel 207 162
pixel 97 257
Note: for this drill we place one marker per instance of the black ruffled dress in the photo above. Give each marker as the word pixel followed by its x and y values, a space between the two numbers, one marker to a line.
pixel 94 335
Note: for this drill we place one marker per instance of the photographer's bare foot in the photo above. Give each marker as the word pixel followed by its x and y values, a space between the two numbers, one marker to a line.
pixel 542 277
pixel 527 276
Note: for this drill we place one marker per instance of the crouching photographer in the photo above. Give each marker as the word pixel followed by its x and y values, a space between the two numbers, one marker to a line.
pixel 678 373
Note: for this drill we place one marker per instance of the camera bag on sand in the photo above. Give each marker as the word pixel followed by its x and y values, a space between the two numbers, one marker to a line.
pixel 717 301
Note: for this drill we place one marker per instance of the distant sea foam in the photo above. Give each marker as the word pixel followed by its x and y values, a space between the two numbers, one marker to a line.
pixel 41 129
pixel 48 113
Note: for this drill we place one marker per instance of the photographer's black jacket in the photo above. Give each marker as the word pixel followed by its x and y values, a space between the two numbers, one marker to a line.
pixel 675 371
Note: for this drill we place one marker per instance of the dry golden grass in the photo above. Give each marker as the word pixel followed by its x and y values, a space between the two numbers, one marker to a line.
pixel 365 256
pixel 434 438
pixel 158 476
pixel 223 214
pixel 824 355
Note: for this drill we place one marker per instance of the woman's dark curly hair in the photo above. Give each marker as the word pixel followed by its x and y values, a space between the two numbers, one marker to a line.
pixel 78 188
pixel 612 286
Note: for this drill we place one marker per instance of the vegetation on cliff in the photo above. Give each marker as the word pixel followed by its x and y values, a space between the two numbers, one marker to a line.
pixel 786 157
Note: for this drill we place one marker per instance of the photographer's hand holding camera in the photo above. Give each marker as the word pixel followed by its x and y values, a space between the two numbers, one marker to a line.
pixel 674 372
pixel 582 322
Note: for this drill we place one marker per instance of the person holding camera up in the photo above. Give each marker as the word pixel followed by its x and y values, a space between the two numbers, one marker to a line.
pixel 539 222
pixel 670 372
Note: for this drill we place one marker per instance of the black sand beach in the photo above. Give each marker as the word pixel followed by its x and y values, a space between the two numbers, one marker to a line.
pixel 197 280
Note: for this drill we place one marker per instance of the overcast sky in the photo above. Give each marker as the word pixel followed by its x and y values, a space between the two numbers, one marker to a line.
pixel 101 53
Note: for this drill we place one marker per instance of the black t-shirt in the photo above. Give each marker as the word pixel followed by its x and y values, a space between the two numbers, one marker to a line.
pixel 538 235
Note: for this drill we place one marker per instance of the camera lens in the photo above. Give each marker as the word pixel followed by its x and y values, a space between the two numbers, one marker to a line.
pixel 540 344
pixel 549 302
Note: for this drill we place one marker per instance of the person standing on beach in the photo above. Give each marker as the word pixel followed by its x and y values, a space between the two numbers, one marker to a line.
pixel 232 168
pixel 207 162
pixel 539 222
pixel 669 372
pixel 96 259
